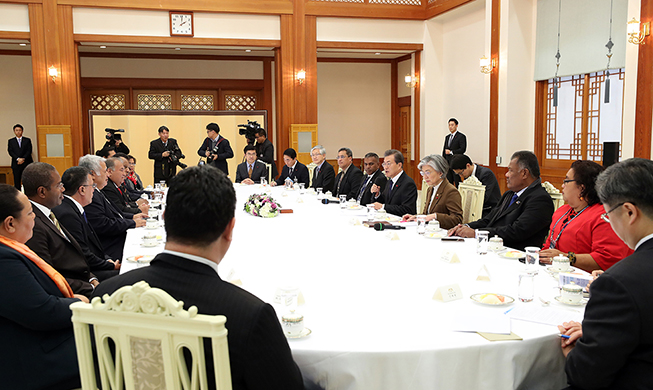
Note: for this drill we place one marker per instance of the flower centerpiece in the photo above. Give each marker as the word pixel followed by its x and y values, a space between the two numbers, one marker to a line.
pixel 261 205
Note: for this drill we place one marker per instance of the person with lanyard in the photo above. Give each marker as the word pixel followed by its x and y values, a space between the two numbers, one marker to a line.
pixel 577 230
pixel 38 350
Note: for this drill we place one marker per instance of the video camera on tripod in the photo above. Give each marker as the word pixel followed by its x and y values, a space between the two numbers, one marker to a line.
pixel 111 136
pixel 249 131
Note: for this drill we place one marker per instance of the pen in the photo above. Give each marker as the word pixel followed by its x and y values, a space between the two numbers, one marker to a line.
pixel 564 336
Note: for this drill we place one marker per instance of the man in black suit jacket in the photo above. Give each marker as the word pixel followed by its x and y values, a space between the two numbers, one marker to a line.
pixel 116 173
pixel 161 151
pixel 199 222
pixel 265 150
pixel 109 224
pixel 258 169
pixel 400 195
pixel 462 165
pixel 216 148
pixel 613 347
pixel 373 175
pixel 323 173
pixel 348 181
pixel 20 150
pixel 51 241
pixel 523 215
pixel 293 169
pixel 454 143
pixel 78 184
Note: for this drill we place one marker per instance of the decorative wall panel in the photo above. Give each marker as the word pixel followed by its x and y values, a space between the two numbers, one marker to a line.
pixel 149 102
pixel 108 102
pixel 240 102
pixel 197 102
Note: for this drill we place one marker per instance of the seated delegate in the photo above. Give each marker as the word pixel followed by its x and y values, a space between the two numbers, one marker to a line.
pixel 577 229
pixel 443 201
pixel 38 350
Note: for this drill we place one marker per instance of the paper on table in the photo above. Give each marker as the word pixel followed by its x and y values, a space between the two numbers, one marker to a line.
pixel 487 323
pixel 544 315
pixel 499 337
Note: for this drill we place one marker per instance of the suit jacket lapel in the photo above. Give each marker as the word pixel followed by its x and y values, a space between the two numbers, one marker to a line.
pixel 47 222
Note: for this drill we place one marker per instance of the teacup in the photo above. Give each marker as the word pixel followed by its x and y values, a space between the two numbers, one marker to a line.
pixel 433 226
pixel 496 244
pixel 560 263
pixel 149 240
pixel 151 223
pixel 292 324
pixel 571 293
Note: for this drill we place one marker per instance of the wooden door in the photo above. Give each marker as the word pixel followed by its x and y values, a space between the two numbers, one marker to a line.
pixel 55 146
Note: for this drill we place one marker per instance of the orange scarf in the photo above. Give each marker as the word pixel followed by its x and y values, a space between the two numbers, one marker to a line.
pixel 56 277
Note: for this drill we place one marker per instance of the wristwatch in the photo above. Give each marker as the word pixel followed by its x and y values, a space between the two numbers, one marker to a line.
pixel 572 258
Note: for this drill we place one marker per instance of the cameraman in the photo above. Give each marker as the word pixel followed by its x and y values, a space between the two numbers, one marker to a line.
pixel 216 148
pixel 117 144
pixel 166 154
pixel 265 150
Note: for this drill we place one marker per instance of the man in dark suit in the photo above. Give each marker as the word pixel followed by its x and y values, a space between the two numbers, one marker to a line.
pixel 323 173
pixel 216 148
pixel 166 154
pixel 265 150
pixel 400 195
pixel 373 175
pixel 117 174
pixel 20 150
pixel 462 166
pixel 454 143
pixel 613 347
pixel 348 181
pixel 78 192
pixel 109 224
pixel 523 215
pixel 293 170
pixel 199 222
pixel 51 241
pixel 251 171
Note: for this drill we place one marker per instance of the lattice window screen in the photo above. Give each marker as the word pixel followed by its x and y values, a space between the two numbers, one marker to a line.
pixel 197 102
pixel 240 102
pixel 342 1
pixel 149 102
pixel 108 102
pixel 397 2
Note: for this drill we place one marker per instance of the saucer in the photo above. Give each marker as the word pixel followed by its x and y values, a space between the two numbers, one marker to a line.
pixel 144 259
pixel 151 228
pixel 144 245
pixel 554 271
pixel 507 299
pixel 582 302
pixel 512 255
pixel 305 332
pixel 435 235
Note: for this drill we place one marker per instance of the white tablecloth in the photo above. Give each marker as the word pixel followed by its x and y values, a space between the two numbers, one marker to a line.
pixel 368 301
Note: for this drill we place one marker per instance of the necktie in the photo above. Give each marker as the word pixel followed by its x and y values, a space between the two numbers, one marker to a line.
pixel 339 182
pixel 19 142
pixel 450 139
pixel 360 194
pixel 290 172
pixel 55 221
pixel 392 184
pixel 513 199
pixel 249 171
pixel 84 215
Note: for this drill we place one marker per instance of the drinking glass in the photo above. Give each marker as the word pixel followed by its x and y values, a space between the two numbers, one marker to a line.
pixel 532 259
pixel 482 236
pixel 302 188
pixel 343 201
pixel 526 289
pixel 421 224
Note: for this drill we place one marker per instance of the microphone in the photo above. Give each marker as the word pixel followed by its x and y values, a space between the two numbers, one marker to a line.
pixel 380 180
pixel 327 201
pixel 381 227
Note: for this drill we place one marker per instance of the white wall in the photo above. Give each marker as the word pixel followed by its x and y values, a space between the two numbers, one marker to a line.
pixel 404 68
pixel 354 107
pixel 14 17
pixel 173 69
pixel 157 23
pixel 16 101
pixel 369 30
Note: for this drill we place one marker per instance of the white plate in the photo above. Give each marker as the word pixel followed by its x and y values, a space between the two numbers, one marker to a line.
pixel 305 332
pixel 582 302
pixel 554 271
pixel 140 259
pixel 144 245
pixel 151 228
pixel 435 235
pixel 507 299
pixel 512 255
pixel 357 207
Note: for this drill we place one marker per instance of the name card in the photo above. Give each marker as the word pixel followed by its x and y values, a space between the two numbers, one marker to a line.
pixel 483 274
pixel 392 236
pixel 449 257
pixel 448 293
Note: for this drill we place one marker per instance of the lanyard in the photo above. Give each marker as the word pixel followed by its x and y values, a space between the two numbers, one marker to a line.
pixel 555 242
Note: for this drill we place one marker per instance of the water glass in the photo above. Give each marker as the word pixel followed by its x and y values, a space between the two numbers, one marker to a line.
pixel 482 236
pixel 421 224
pixel 371 212
pixel 526 290
pixel 302 188
pixel 343 201
pixel 532 259
pixel 319 193
pixel 264 182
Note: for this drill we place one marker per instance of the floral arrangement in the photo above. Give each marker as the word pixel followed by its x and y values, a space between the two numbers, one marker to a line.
pixel 261 205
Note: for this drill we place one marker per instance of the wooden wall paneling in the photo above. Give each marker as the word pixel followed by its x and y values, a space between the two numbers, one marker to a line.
pixel 356 60
pixel 278 81
pixel 14 35
pixel 540 121
pixel 39 64
pixel 439 7
pixel 212 92
pixel 299 61
pixel 285 83
pixel 15 52
pixel 310 28
pixel 86 106
pixel 113 83
pixel 369 45
pixel 416 112
pixel 175 40
pixel 394 110
pixel 173 93
pixel 494 86
pixel 365 10
pixel 644 99
pixel 266 103
pixel 269 7
pixel 189 57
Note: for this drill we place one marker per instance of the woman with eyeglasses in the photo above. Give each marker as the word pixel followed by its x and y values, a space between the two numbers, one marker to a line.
pixel 443 201
pixel 578 229
pixel 38 348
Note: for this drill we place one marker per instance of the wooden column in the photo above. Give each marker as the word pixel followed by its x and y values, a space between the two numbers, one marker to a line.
pixel 494 87
pixel 644 99
pixel 56 102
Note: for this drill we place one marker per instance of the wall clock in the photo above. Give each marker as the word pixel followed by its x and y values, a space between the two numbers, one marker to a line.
pixel 181 24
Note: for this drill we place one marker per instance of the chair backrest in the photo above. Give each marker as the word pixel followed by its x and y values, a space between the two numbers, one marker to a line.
pixel 421 197
pixel 269 170
pixel 310 167
pixel 143 338
pixel 472 194
pixel 555 194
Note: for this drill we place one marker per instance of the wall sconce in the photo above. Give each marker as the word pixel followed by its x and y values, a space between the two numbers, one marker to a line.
pixel 411 81
pixel 637 32
pixel 53 72
pixel 487 65
pixel 301 76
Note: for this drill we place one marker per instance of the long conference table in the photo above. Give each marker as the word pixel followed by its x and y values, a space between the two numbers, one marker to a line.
pixel 368 300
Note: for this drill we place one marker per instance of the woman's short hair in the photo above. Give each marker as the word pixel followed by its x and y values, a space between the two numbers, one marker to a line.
pixel 9 203
pixel 585 174
pixel 436 162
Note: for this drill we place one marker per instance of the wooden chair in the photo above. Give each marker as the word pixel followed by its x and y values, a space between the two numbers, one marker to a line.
pixel 311 168
pixel 472 193
pixel 142 336
pixel 555 194
pixel 421 197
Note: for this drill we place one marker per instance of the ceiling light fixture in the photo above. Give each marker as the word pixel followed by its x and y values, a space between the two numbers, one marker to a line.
pixel 103 47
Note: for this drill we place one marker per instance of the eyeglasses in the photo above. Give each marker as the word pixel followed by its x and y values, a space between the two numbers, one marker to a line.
pixel 341 157
pixel 567 181
pixel 387 164
pixel 606 217
pixel 425 173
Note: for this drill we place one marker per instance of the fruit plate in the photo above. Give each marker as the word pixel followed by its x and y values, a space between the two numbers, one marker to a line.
pixel 479 298
pixel 143 259
pixel 512 255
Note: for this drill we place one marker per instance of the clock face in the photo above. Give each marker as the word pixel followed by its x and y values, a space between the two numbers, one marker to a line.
pixel 181 24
